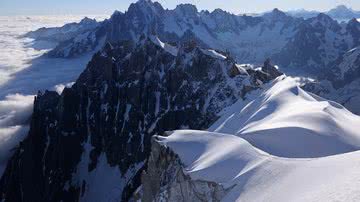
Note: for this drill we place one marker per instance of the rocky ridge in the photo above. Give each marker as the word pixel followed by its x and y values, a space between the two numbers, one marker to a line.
pixel 295 44
pixel 92 142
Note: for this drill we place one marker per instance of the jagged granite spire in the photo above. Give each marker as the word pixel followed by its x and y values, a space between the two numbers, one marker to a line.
pixel 92 142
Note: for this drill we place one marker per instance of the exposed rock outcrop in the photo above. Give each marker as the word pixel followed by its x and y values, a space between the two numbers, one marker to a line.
pixel 104 122
pixel 165 180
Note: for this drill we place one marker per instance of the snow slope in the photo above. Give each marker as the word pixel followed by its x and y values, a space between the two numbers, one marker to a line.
pixel 289 122
pixel 254 148
pixel 253 175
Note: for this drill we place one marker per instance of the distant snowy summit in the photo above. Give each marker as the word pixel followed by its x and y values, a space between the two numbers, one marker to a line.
pixel 64 33
pixel 300 47
pixel 343 13
pixel 295 44
pixel 340 13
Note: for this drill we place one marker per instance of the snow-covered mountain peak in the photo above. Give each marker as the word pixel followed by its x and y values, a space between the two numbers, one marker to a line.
pixel 145 3
pixel 228 165
pixel 323 20
pixel 87 20
pixel 285 118
pixel 249 39
pixel 342 11
pixel 146 8
pixel 343 7
pixel 276 15
pixel 186 10
pixel 219 12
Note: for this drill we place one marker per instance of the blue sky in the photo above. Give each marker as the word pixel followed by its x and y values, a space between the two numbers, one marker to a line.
pixel 40 7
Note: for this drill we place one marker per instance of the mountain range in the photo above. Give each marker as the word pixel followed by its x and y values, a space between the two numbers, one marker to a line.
pixel 187 105
pixel 340 13
pixel 97 133
pixel 301 45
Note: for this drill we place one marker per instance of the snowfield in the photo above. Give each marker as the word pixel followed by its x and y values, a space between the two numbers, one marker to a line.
pixel 255 150
pixel 253 175
pixel 286 121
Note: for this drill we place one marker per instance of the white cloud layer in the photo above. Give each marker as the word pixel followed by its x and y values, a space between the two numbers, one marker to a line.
pixel 60 87
pixel 23 71
pixel 15 111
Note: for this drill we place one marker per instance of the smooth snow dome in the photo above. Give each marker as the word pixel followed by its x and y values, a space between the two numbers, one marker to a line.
pixel 24 70
pixel 253 151
pixel 212 156
pixel 286 121
pixel 252 175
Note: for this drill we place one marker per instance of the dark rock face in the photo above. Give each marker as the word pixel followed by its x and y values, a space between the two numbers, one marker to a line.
pixel 165 180
pixel 318 42
pixel 345 69
pixel 128 93
pixel 143 17
pixel 271 69
pixel 45 159
pixel 341 82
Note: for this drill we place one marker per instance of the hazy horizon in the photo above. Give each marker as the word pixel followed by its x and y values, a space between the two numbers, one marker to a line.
pixel 81 7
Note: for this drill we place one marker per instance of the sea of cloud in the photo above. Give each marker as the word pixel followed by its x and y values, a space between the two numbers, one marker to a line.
pixel 24 71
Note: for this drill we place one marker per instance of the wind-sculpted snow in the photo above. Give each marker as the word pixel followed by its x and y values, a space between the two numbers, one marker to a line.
pixel 249 174
pixel 211 156
pixel 286 121
pixel 251 153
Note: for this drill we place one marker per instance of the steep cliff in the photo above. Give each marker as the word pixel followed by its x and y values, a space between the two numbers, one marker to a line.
pixel 92 142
